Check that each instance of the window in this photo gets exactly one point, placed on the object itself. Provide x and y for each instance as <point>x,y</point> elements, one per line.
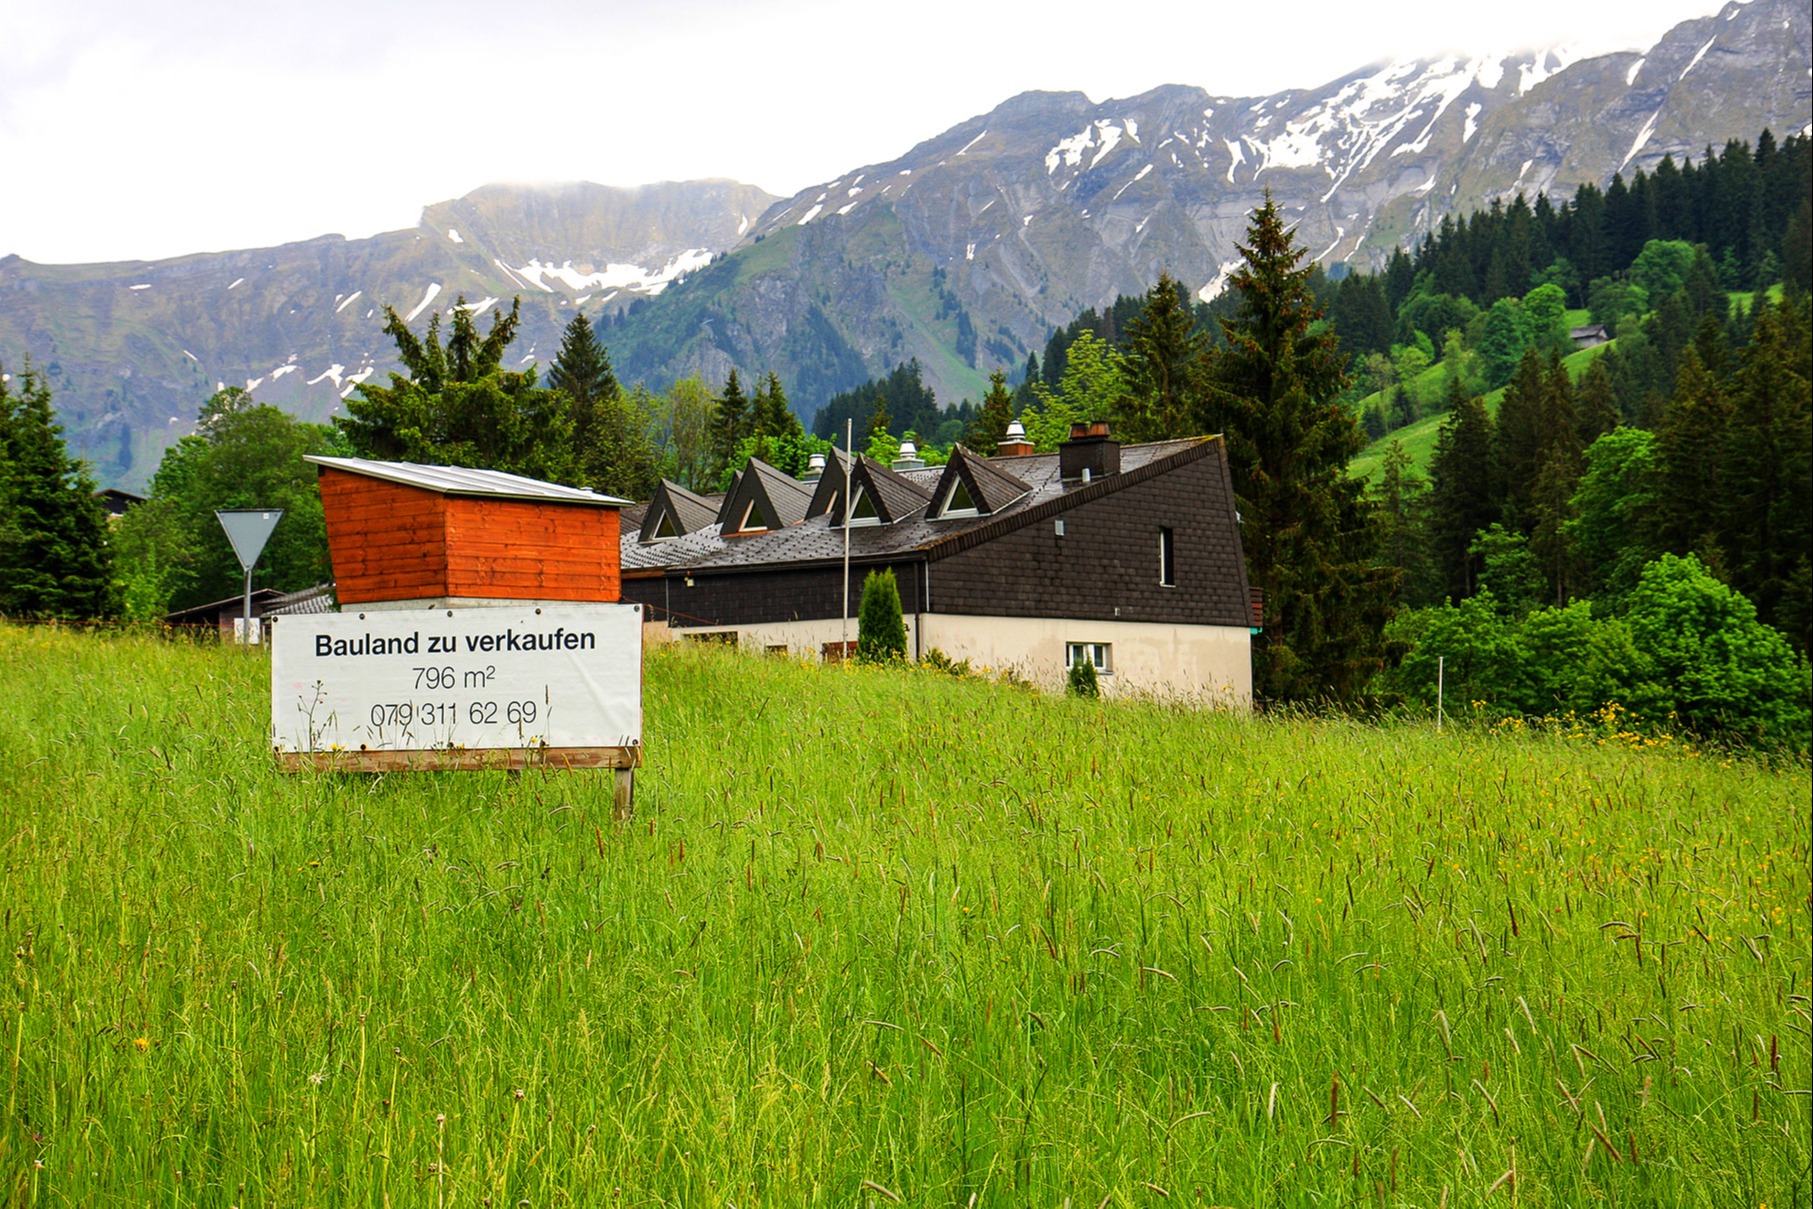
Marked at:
<point>727,637</point>
<point>753,520</point>
<point>1167,558</point>
<point>862,509</point>
<point>1097,653</point>
<point>665,530</point>
<point>960,503</point>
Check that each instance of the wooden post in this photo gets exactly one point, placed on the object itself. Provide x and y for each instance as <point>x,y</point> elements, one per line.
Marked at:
<point>624,808</point>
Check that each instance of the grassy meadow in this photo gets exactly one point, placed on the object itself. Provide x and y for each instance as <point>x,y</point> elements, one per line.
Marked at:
<point>889,937</point>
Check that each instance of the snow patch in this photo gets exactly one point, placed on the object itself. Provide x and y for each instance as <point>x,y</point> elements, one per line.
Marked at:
<point>332,372</point>
<point>348,301</point>
<point>1537,70</point>
<point>612,276</point>
<point>1069,152</point>
<point>511,274</point>
<point>1025,221</point>
<point>282,370</point>
<point>238,281</point>
<point>475,308</point>
<point>143,285</point>
<point>1489,71</point>
<point>191,356</point>
<point>428,296</point>
<point>846,208</point>
<point>1649,128</point>
<point>811,214</point>
<point>743,224</point>
<point>454,235</point>
<point>973,142</point>
<point>1696,59</point>
<point>969,253</point>
<point>1137,177</point>
<point>1236,154</point>
<point>1472,126</point>
<point>1219,282</point>
<point>353,380</point>
<point>1630,77</point>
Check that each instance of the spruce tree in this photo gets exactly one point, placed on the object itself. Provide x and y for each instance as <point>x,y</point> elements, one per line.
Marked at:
<point>54,556</point>
<point>1161,366</point>
<point>989,428</point>
<point>1557,477</point>
<point>1519,444</point>
<point>459,406</point>
<point>1310,539</point>
<point>1687,444</point>
<point>731,422</point>
<point>1462,499</point>
<point>1766,462</point>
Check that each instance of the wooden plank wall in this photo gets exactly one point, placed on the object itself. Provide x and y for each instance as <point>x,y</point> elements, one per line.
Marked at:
<point>388,541</point>
<point>508,550</point>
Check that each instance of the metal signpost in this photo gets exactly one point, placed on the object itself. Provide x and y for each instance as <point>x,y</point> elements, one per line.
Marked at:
<point>510,687</point>
<point>248,529</point>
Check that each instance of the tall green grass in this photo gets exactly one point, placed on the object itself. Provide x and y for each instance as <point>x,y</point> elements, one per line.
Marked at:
<point>885,934</point>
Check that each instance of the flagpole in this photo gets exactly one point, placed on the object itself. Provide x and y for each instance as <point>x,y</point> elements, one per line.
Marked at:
<point>843,633</point>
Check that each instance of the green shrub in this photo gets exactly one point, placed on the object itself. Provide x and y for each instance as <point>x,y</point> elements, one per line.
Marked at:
<point>1083,682</point>
<point>880,629</point>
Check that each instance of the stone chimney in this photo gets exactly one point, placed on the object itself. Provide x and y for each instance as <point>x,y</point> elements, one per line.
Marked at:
<point>1089,454</point>
<point>1015,444</point>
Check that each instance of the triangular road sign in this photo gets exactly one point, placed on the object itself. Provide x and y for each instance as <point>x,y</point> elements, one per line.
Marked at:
<point>248,529</point>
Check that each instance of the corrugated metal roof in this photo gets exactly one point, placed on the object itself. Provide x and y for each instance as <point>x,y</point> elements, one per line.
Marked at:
<point>464,480</point>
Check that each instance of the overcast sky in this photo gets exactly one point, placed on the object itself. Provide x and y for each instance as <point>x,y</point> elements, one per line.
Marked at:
<point>136,130</point>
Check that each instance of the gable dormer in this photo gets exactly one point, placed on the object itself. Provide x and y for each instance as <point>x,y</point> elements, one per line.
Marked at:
<point>880,496</point>
<point>831,488</point>
<point>762,500</point>
<point>675,511</point>
<point>970,486</point>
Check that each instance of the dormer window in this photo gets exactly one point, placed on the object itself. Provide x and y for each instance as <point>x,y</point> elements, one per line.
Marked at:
<point>665,530</point>
<point>960,502</point>
<point>753,520</point>
<point>862,510</point>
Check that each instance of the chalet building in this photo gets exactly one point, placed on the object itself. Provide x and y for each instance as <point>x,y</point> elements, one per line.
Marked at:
<point>1592,335</point>
<point>1128,557</point>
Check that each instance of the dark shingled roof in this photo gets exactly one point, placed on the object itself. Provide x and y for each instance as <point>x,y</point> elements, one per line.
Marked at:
<point>896,497</point>
<point>819,540</point>
<point>780,498</point>
<point>830,485</point>
<point>991,487</point>
<point>688,510</point>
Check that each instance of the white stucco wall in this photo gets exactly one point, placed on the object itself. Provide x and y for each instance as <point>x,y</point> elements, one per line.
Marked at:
<point>1211,664</point>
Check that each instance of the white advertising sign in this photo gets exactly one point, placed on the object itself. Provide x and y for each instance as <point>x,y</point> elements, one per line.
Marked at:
<point>560,676</point>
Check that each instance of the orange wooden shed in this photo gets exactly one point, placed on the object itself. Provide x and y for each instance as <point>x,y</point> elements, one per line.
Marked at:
<point>400,533</point>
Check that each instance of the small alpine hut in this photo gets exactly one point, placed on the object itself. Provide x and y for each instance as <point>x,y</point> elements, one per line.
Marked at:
<point>403,535</point>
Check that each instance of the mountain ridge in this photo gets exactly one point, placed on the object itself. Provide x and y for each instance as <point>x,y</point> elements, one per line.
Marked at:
<point>964,251</point>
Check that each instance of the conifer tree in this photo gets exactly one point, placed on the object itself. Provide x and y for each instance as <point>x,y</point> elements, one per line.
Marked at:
<point>54,556</point>
<point>1161,365</point>
<point>1462,497</point>
<point>459,406</point>
<point>880,627</point>
<point>1310,539</point>
<point>1557,477</point>
<point>1766,462</point>
<point>732,420</point>
<point>1686,459</point>
<point>1519,443</point>
<point>989,428</point>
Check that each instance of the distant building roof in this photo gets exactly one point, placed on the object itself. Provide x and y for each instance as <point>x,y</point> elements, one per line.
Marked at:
<point>463,480</point>
<point>116,501</point>
<point>821,538</point>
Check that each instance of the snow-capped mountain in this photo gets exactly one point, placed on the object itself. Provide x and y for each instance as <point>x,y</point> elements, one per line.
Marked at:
<point>963,252</point>
<point>1052,202</point>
